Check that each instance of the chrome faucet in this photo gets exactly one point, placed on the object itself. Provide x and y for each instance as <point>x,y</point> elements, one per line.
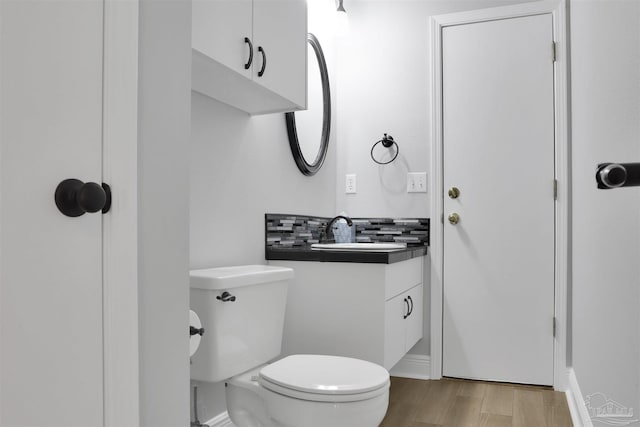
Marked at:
<point>328,231</point>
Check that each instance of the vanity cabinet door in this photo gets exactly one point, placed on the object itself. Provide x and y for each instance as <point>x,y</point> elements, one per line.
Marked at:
<point>394,330</point>
<point>414,322</point>
<point>403,324</point>
<point>219,31</point>
<point>280,47</point>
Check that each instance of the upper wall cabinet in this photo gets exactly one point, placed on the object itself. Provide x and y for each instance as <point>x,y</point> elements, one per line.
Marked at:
<point>251,54</point>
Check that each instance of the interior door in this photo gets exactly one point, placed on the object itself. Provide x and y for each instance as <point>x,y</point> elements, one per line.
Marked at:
<point>51,366</point>
<point>498,152</point>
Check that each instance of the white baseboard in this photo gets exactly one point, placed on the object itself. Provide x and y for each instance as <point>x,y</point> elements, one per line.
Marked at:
<point>220,420</point>
<point>579,414</point>
<point>416,366</point>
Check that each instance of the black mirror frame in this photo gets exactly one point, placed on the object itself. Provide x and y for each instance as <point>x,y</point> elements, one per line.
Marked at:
<point>305,167</point>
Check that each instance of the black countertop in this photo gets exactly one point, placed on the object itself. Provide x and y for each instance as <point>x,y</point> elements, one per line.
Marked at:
<point>305,253</point>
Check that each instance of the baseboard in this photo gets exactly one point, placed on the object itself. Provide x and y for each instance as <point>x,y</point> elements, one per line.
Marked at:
<point>416,366</point>
<point>221,420</point>
<point>577,408</point>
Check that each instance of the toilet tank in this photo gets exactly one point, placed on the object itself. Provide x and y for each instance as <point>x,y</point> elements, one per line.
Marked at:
<point>242,311</point>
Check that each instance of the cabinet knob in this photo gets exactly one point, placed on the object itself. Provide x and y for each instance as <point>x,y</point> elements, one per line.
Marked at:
<point>411,309</point>
<point>454,192</point>
<point>454,218</point>
<point>406,301</point>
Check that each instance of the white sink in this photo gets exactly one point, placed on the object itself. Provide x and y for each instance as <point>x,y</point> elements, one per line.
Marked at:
<point>366,247</point>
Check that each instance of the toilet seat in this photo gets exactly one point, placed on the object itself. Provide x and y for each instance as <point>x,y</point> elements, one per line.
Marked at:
<point>322,378</point>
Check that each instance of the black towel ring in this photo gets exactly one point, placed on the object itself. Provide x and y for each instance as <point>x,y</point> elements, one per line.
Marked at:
<point>387,141</point>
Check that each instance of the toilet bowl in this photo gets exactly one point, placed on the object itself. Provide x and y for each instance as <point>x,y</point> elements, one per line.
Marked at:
<point>310,391</point>
<point>242,312</point>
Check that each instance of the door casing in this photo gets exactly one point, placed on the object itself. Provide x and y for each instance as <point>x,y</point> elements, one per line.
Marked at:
<point>557,8</point>
<point>120,225</point>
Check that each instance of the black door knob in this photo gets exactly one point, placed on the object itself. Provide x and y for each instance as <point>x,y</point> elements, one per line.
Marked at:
<point>74,197</point>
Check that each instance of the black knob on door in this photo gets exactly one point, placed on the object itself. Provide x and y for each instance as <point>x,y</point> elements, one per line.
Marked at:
<point>74,197</point>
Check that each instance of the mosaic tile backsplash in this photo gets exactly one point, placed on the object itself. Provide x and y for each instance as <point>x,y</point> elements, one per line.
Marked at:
<point>285,230</point>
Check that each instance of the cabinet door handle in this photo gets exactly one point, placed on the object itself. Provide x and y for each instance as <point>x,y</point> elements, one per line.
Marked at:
<point>406,301</point>
<point>247,40</point>
<point>411,309</point>
<point>264,61</point>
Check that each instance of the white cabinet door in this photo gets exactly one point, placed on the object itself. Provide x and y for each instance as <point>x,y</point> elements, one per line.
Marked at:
<point>394,330</point>
<point>219,29</point>
<point>414,321</point>
<point>280,47</point>
<point>51,335</point>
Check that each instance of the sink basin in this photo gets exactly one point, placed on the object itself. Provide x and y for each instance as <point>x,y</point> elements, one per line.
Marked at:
<point>365,247</point>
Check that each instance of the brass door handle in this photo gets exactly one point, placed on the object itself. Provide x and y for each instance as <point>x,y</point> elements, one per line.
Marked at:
<point>454,218</point>
<point>454,192</point>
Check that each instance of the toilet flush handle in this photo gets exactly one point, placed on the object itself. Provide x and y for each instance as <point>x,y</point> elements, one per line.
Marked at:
<point>226,297</point>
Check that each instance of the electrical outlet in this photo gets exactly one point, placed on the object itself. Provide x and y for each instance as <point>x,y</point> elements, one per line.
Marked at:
<point>417,182</point>
<point>350,183</point>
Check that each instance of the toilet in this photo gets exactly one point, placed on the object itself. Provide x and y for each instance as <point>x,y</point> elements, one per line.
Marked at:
<point>242,311</point>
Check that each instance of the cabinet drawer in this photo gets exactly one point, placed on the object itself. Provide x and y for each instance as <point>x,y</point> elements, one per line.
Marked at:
<point>402,276</point>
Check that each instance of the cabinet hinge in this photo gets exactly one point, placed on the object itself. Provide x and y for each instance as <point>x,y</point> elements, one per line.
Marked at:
<point>554,51</point>
<point>442,219</point>
<point>554,327</point>
<point>555,189</point>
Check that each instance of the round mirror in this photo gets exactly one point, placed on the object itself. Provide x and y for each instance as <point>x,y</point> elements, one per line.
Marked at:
<point>309,130</point>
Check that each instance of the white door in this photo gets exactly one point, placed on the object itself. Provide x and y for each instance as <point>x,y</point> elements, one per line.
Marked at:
<point>498,150</point>
<point>51,355</point>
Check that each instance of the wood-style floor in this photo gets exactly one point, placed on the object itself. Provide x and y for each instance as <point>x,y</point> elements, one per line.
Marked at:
<point>461,403</point>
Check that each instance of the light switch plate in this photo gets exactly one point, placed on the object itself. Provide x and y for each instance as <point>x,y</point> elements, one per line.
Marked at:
<point>350,183</point>
<point>417,182</point>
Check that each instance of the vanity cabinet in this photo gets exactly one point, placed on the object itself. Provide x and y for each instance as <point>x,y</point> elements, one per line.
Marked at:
<point>367,311</point>
<point>251,54</point>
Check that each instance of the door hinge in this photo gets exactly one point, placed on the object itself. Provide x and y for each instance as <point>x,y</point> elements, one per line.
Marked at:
<point>554,327</point>
<point>554,51</point>
<point>555,189</point>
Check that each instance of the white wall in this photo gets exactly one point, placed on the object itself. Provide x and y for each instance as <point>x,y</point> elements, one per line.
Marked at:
<point>241,168</point>
<point>605,68</point>
<point>164,97</point>
<point>383,87</point>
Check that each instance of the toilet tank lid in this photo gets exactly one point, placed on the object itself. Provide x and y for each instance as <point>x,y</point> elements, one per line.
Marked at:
<point>241,275</point>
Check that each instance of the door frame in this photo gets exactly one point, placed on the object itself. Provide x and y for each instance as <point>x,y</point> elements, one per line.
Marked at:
<point>557,8</point>
<point>120,225</point>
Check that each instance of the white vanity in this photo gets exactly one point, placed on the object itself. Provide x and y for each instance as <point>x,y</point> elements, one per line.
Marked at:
<point>370,311</point>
